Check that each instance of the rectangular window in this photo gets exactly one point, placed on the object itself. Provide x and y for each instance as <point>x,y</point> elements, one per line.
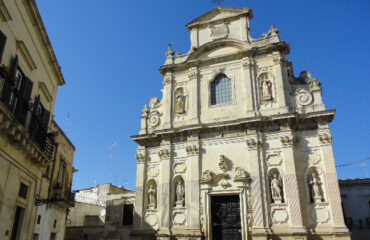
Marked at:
<point>17,224</point>
<point>128,213</point>
<point>38,219</point>
<point>23,190</point>
<point>2,44</point>
<point>53,236</point>
<point>35,236</point>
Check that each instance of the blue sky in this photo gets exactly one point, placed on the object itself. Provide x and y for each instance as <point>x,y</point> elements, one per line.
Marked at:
<point>110,55</point>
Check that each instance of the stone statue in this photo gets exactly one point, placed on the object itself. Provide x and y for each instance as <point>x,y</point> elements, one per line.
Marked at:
<point>223,164</point>
<point>275,189</point>
<point>316,189</point>
<point>179,101</point>
<point>180,194</point>
<point>152,197</point>
<point>266,90</point>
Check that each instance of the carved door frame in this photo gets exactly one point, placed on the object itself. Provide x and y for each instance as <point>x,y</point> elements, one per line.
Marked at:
<point>207,193</point>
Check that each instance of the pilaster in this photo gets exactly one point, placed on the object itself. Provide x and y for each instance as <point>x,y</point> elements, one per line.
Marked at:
<point>281,88</point>
<point>167,100</point>
<point>141,157</point>
<point>258,185</point>
<point>250,86</point>
<point>290,180</point>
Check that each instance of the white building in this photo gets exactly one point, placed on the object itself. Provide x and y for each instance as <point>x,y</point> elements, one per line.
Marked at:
<point>355,194</point>
<point>238,147</point>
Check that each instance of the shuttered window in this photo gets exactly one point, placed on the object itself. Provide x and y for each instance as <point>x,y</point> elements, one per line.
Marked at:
<point>2,44</point>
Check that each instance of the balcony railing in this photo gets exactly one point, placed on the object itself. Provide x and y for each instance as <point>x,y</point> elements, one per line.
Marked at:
<point>11,97</point>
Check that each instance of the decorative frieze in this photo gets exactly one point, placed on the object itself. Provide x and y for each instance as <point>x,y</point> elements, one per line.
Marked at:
<point>325,138</point>
<point>287,140</point>
<point>164,153</point>
<point>140,158</point>
<point>192,150</point>
<point>253,143</point>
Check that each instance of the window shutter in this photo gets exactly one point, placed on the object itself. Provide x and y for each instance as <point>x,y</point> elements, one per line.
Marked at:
<point>34,121</point>
<point>24,95</point>
<point>2,44</point>
<point>45,119</point>
<point>14,66</point>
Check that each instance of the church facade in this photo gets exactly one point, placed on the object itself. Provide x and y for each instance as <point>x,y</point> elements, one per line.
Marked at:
<point>238,147</point>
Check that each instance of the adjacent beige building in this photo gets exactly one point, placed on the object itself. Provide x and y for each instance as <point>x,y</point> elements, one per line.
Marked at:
<point>35,156</point>
<point>237,147</point>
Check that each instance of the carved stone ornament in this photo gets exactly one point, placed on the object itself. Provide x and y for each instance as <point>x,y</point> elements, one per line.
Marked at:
<point>152,197</point>
<point>220,31</point>
<point>192,74</point>
<point>153,172</point>
<point>164,153</point>
<point>169,52</point>
<point>223,163</point>
<point>274,159</point>
<point>179,218</point>
<point>305,76</point>
<point>279,215</point>
<point>273,31</point>
<point>248,63</point>
<point>303,97</point>
<point>151,219</point>
<point>253,143</point>
<point>223,183</point>
<point>140,157</point>
<point>287,140</point>
<point>154,118</point>
<point>192,150</point>
<point>179,167</point>
<point>314,84</point>
<point>207,176</point>
<point>154,102</point>
<point>320,214</point>
<point>241,174</point>
<point>325,138</point>
<point>145,110</point>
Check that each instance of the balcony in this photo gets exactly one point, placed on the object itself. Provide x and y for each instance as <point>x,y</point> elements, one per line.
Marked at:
<point>21,125</point>
<point>64,199</point>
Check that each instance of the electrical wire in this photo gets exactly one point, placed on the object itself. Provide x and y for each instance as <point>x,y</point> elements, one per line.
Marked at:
<point>352,163</point>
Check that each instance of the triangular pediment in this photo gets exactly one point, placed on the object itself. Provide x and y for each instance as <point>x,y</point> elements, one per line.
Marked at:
<point>217,14</point>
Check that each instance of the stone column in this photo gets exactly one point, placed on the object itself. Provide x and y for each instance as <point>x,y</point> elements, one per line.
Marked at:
<point>141,157</point>
<point>291,181</point>
<point>194,98</point>
<point>250,86</point>
<point>167,100</point>
<point>164,196</point>
<point>281,88</point>
<point>192,187</point>
<point>258,186</point>
<point>331,180</point>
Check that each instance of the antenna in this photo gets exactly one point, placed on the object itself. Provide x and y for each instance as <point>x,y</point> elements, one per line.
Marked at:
<point>68,115</point>
<point>217,1</point>
<point>111,160</point>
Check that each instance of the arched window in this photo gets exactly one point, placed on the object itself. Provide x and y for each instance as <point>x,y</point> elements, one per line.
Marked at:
<point>221,92</point>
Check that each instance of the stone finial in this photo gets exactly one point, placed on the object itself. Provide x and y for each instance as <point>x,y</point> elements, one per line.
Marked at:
<point>273,31</point>
<point>314,84</point>
<point>145,110</point>
<point>169,52</point>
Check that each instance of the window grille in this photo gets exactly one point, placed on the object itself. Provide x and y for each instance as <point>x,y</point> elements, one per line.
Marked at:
<point>221,92</point>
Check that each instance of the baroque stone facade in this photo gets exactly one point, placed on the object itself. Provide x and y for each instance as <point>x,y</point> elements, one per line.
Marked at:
<point>238,147</point>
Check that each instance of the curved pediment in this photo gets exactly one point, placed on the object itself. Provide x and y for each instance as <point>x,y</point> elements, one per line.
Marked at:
<point>218,49</point>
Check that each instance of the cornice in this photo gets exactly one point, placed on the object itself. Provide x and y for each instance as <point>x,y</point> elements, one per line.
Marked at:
<point>252,52</point>
<point>243,123</point>
<point>40,27</point>
<point>4,13</point>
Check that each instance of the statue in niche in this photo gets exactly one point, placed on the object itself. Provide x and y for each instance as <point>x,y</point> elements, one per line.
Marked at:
<point>316,189</point>
<point>276,188</point>
<point>266,86</point>
<point>152,194</point>
<point>179,101</point>
<point>180,191</point>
